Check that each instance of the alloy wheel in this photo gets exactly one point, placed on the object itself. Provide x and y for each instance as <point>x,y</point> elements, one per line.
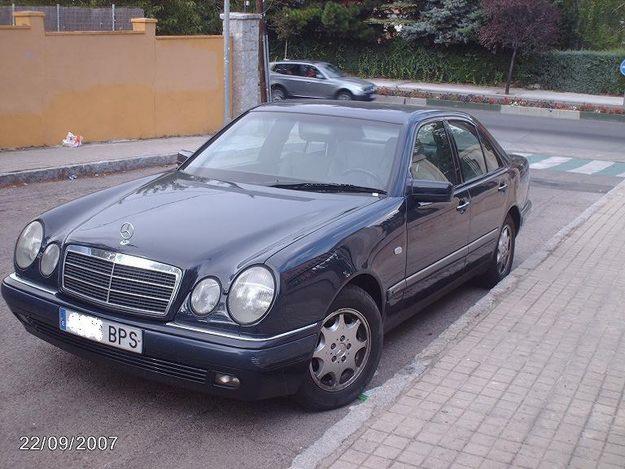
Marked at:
<point>342,350</point>
<point>504,249</point>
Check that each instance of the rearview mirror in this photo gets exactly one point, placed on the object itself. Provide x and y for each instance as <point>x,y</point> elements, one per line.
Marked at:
<point>431,191</point>
<point>183,155</point>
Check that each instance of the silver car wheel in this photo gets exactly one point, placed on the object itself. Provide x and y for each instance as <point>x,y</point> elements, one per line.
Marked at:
<point>277,95</point>
<point>504,248</point>
<point>344,96</point>
<point>342,350</point>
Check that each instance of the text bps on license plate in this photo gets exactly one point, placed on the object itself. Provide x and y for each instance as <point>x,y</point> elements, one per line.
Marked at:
<point>100,330</point>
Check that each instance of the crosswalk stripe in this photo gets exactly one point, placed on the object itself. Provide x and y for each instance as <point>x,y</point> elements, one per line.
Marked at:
<point>592,167</point>
<point>549,162</point>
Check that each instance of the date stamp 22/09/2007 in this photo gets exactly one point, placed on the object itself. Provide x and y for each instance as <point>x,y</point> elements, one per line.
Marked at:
<point>67,443</point>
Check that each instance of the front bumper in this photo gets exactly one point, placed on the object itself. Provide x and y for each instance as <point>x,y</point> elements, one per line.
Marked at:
<point>266,367</point>
<point>369,96</point>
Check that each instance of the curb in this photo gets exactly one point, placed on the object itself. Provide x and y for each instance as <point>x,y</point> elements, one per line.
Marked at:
<point>84,169</point>
<point>504,108</point>
<point>323,452</point>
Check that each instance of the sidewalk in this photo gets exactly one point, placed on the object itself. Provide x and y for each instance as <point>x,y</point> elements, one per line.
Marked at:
<point>40,164</point>
<point>519,93</point>
<point>536,381</point>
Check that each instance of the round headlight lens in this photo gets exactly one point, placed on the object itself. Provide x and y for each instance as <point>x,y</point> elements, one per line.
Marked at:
<point>50,259</point>
<point>28,244</point>
<point>205,296</point>
<point>251,295</point>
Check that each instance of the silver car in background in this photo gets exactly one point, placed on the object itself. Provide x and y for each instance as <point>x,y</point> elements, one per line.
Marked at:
<point>311,79</point>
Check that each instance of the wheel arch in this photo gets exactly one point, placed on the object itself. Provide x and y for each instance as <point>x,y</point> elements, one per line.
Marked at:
<point>370,285</point>
<point>515,213</point>
<point>343,90</point>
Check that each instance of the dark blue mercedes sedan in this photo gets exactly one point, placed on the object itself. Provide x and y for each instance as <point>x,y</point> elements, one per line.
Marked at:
<point>273,260</point>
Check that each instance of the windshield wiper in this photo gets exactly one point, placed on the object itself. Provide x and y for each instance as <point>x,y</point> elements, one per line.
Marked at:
<point>328,187</point>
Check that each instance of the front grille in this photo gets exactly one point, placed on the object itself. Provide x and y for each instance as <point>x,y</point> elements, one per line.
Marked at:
<point>155,365</point>
<point>122,282</point>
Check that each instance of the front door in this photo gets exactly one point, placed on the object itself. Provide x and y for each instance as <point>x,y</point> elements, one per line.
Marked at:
<point>438,232</point>
<point>486,180</point>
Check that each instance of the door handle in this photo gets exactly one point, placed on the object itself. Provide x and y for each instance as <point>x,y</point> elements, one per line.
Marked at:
<point>502,187</point>
<point>463,206</point>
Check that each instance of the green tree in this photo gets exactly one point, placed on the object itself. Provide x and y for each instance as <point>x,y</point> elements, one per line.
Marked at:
<point>446,22</point>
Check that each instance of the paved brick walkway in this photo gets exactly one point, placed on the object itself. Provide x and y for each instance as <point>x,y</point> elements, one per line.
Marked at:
<point>538,382</point>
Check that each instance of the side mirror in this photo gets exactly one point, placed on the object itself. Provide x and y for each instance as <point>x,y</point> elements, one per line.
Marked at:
<point>430,191</point>
<point>183,155</point>
<point>319,76</point>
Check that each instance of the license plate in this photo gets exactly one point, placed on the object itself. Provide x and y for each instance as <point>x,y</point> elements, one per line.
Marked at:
<point>100,330</point>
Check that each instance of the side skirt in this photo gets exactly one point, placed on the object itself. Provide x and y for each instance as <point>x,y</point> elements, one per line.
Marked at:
<point>409,310</point>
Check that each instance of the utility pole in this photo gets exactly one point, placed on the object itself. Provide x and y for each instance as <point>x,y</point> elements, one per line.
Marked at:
<point>260,8</point>
<point>227,85</point>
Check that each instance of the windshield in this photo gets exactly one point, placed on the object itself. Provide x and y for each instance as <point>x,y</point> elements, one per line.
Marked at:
<point>275,148</point>
<point>333,71</point>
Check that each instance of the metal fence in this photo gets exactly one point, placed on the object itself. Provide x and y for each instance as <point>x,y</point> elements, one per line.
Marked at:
<point>60,18</point>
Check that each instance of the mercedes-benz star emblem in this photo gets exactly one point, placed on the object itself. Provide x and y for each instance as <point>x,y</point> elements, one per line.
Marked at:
<point>126,231</point>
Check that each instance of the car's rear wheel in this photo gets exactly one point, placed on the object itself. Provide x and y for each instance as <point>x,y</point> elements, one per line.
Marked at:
<point>501,261</point>
<point>344,95</point>
<point>347,353</point>
<point>278,94</point>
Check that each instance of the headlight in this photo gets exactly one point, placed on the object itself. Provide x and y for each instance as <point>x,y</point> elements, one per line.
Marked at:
<point>251,295</point>
<point>50,259</point>
<point>205,296</point>
<point>28,244</point>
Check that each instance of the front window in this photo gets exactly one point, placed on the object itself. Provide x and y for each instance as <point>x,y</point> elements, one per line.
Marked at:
<point>333,71</point>
<point>275,148</point>
<point>472,163</point>
<point>432,158</point>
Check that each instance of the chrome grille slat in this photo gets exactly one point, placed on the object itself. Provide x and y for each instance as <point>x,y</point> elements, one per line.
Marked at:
<point>119,281</point>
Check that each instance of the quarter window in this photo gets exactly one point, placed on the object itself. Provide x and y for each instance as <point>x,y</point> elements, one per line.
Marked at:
<point>431,156</point>
<point>472,163</point>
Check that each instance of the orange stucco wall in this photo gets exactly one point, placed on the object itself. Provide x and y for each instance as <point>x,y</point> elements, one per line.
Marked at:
<point>106,85</point>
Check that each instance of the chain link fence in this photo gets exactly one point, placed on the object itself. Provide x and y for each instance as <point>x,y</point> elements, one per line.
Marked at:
<point>59,18</point>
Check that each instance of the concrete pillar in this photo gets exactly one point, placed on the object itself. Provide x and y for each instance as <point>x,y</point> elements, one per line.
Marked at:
<point>34,19</point>
<point>146,25</point>
<point>244,63</point>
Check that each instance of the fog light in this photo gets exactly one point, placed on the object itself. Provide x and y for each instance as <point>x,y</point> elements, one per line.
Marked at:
<point>227,380</point>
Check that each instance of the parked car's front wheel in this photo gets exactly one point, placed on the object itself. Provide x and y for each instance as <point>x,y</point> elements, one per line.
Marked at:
<point>347,353</point>
<point>278,94</point>
<point>501,261</point>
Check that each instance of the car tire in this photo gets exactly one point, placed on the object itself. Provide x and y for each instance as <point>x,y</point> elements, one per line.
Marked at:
<point>278,94</point>
<point>344,95</point>
<point>503,256</point>
<point>338,346</point>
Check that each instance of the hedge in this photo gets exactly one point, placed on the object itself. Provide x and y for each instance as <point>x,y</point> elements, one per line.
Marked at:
<point>575,71</point>
<point>402,60</point>
<point>595,72</point>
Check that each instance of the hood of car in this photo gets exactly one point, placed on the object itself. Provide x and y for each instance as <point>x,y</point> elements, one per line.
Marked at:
<point>188,221</point>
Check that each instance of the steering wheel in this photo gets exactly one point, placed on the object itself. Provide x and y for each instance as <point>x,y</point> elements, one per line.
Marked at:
<point>377,181</point>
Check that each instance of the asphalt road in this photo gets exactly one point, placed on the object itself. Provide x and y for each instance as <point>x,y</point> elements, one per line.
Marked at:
<point>45,391</point>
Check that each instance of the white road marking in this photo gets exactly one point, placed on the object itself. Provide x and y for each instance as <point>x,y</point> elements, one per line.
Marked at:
<point>550,162</point>
<point>622,175</point>
<point>592,167</point>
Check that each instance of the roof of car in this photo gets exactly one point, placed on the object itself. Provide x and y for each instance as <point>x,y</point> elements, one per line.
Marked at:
<point>293,61</point>
<point>375,111</point>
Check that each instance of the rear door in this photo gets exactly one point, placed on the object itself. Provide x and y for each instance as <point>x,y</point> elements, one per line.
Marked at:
<point>437,232</point>
<point>290,76</point>
<point>486,180</point>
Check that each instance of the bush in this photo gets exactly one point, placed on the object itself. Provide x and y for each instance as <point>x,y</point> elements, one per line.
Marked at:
<point>595,72</point>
